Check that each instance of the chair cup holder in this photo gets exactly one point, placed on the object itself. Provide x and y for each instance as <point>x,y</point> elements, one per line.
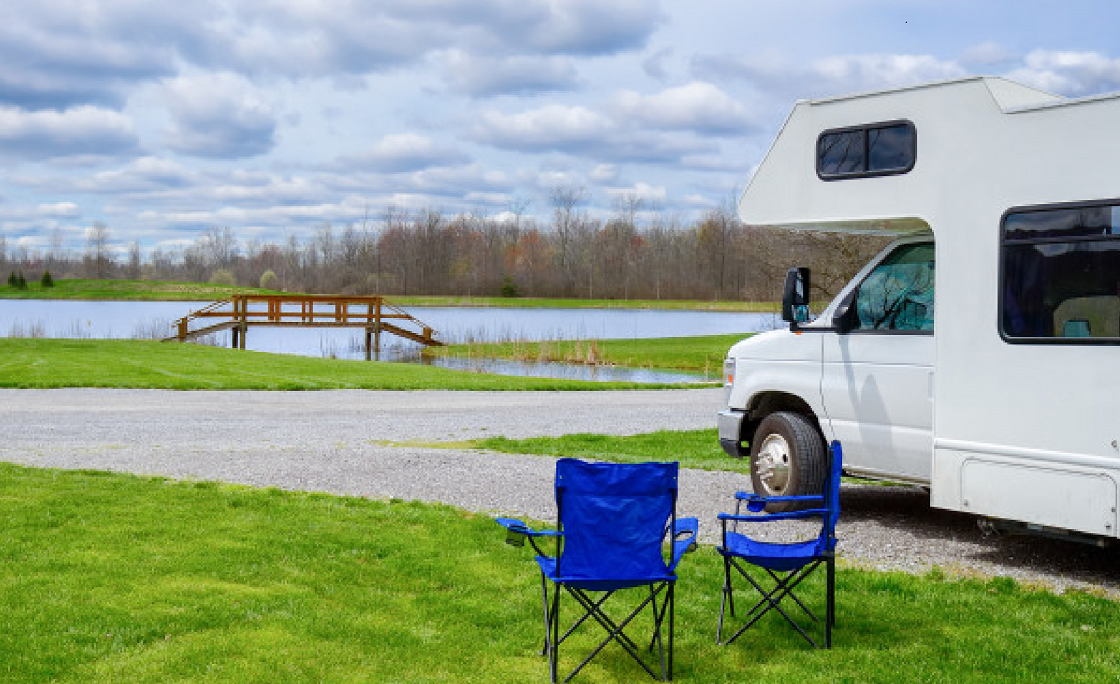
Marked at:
<point>515,538</point>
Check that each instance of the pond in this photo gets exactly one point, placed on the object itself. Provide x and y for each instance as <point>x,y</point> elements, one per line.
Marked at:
<point>147,320</point>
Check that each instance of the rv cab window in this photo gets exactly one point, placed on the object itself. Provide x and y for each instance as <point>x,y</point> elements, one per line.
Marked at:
<point>898,293</point>
<point>863,151</point>
<point>1060,274</point>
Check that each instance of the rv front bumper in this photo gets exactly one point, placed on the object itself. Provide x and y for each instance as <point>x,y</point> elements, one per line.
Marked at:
<point>730,424</point>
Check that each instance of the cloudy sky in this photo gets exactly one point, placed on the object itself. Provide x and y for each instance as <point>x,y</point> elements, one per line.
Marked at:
<point>275,117</point>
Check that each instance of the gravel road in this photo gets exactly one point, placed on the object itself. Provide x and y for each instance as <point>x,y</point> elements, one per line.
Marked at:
<point>365,443</point>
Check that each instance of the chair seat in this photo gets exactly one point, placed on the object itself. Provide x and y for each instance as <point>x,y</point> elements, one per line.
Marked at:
<point>776,556</point>
<point>548,569</point>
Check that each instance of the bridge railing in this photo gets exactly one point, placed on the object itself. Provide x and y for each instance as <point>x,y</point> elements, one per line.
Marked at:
<point>373,313</point>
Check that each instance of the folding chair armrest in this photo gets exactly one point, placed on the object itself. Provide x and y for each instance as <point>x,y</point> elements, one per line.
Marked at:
<point>769,517</point>
<point>756,502</point>
<point>681,546</point>
<point>519,527</point>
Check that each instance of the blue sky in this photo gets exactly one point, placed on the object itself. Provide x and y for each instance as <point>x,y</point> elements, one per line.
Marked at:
<point>275,117</point>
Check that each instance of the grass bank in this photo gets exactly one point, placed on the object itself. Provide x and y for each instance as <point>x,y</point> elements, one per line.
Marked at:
<point>156,290</point>
<point>52,363</point>
<point>114,578</point>
<point>128,290</point>
<point>701,354</point>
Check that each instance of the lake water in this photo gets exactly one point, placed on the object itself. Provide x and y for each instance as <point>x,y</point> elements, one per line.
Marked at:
<point>76,319</point>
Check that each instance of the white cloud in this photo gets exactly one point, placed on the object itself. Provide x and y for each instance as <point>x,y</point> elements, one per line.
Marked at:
<point>1069,73</point>
<point>79,131</point>
<point>59,210</point>
<point>140,175</point>
<point>552,127</point>
<point>218,115</point>
<point>641,191</point>
<point>486,76</point>
<point>404,152</point>
<point>604,173</point>
<point>836,75</point>
<point>696,106</point>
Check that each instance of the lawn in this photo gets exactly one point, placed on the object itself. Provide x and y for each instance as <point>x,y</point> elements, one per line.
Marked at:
<point>117,578</point>
<point>154,290</point>
<point>50,363</point>
<point>692,448</point>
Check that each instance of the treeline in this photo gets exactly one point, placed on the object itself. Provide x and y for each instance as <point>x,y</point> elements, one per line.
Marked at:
<point>427,252</point>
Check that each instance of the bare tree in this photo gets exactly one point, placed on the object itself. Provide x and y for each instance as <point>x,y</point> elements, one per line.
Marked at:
<point>134,260</point>
<point>97,259</point>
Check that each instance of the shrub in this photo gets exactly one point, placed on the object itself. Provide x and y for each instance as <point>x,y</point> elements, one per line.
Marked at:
<point>269,280</point>
<point>509,288</point>
<point>223,276</point>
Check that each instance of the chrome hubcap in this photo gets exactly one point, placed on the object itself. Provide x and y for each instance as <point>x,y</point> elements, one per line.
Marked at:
<point>772,464</point>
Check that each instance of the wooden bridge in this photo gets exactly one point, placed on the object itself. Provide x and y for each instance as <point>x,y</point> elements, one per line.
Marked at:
<point>239,312</point>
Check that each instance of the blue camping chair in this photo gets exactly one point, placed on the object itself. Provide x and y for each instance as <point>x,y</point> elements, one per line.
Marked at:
<point>615,523</point>
<point>787,564</point>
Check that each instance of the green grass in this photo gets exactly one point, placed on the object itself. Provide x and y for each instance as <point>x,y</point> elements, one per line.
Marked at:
<point>48,363</point>
<point>131,290</point>
<point>692,448</point>
<point>702,354</point>
<point>569,303</point>
<point>88,288</point>
<point>116,578</point>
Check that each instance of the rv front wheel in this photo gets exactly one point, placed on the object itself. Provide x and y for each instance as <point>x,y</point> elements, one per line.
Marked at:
<point>787,458</point>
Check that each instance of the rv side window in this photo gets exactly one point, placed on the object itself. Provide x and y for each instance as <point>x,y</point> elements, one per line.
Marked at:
<point>1061,274</point>
<point>898,293</point>
<point>864,151</point>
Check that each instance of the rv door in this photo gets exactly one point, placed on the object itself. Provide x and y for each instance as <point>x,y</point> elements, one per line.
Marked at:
<point>877,378</point>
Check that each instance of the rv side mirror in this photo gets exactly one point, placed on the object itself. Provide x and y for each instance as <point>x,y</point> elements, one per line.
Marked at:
<point>795,297</point>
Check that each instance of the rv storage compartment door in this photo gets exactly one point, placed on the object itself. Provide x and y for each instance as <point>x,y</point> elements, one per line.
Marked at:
<point>1054,495</point>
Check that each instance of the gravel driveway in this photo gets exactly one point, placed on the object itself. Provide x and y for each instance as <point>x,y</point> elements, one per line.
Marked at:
<point>336,441</point>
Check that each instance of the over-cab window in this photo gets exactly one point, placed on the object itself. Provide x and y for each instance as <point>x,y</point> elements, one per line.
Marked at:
<point>898,293</point>
<point>871,150</point>
<point>1060,274</point>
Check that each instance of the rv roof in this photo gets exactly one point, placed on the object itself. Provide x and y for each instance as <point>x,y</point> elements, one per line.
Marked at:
<point>1010,95</point>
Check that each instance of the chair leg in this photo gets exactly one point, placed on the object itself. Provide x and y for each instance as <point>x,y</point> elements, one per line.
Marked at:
<point>554,634</point>
<point>547,621</point>
<point>830,609</point>
<point>726,600</point>
<point>672,609</point>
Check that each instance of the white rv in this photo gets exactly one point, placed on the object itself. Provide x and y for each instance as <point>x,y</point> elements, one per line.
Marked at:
<point>1006,403</point>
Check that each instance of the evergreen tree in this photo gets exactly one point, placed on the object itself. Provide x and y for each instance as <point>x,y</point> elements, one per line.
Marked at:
<point>46,280</point>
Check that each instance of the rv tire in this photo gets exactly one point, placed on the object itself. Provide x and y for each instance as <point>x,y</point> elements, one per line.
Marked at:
<point>787,459</point>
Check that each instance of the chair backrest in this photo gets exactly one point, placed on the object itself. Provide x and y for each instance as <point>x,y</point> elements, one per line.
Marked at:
<point>832,491</point>
<point>615,517</point>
